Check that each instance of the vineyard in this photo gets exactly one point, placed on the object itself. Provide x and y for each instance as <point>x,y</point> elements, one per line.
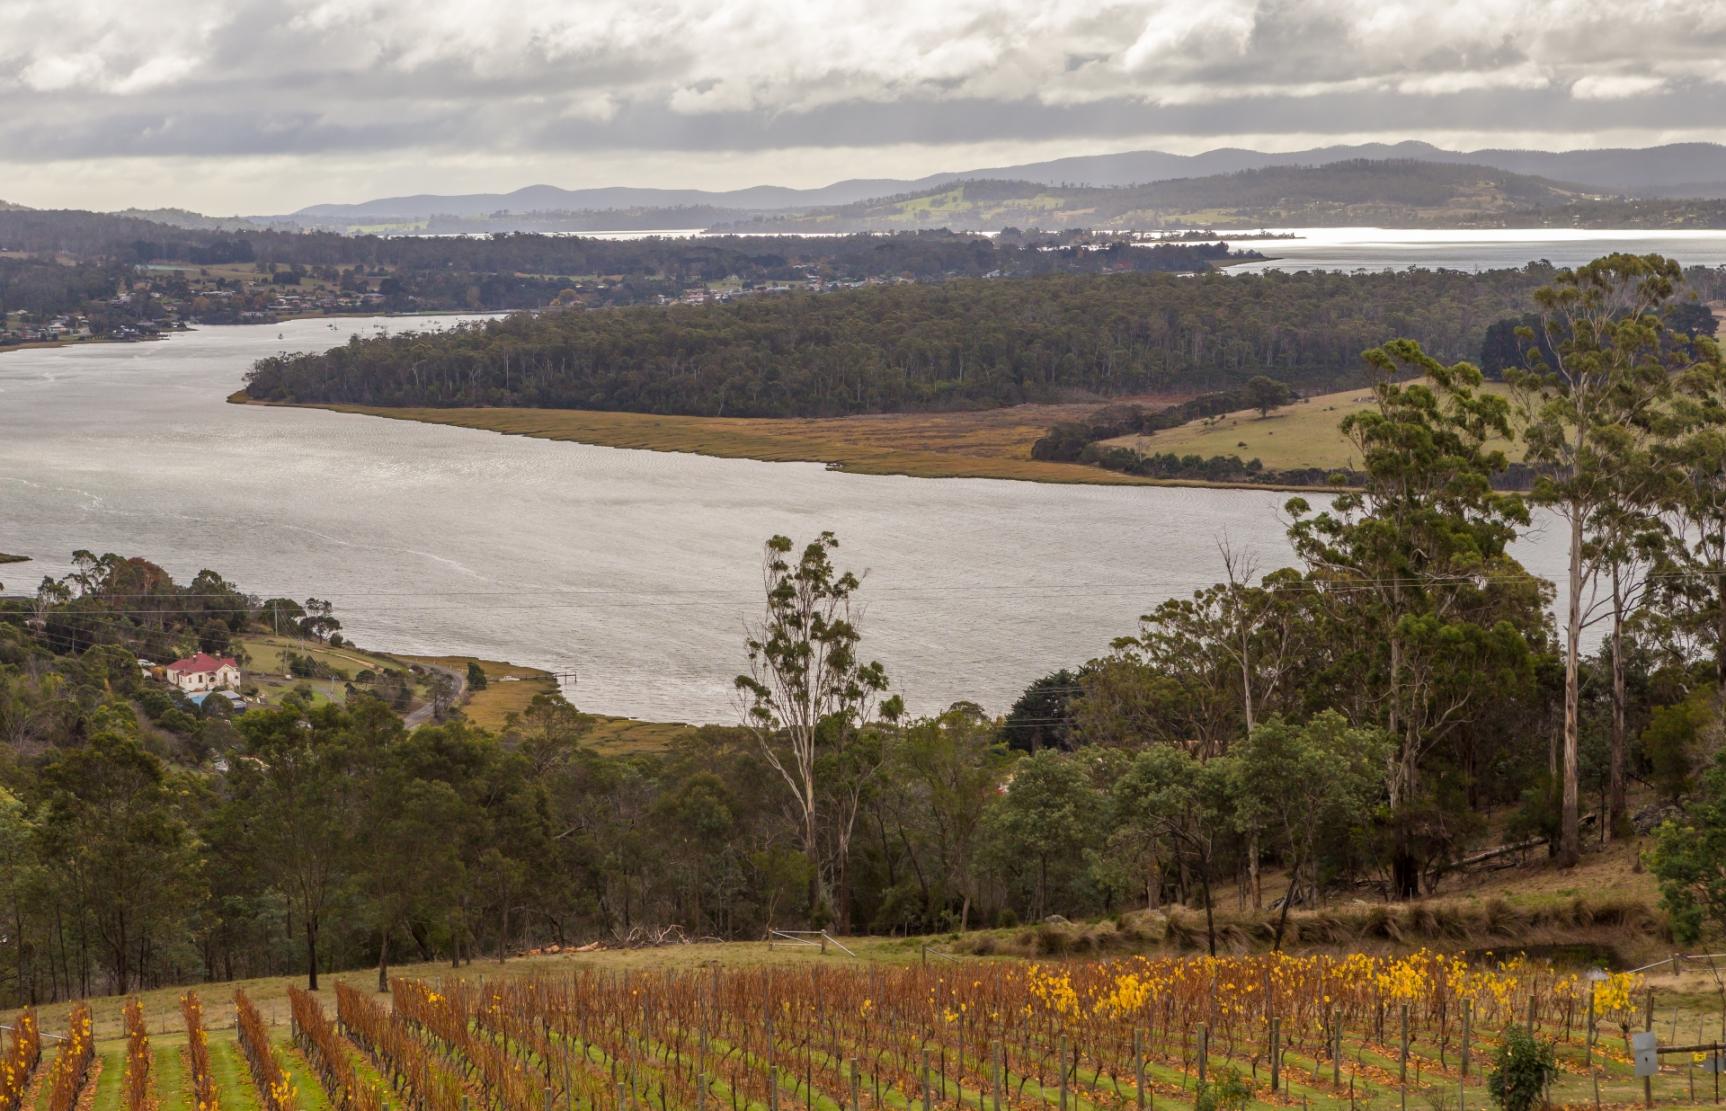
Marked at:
<point>1317,1032</point>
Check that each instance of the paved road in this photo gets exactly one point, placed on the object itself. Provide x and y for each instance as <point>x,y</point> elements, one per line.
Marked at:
<point>424,713</point>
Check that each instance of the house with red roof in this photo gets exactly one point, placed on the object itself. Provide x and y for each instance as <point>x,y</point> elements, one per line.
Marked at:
<point>204,672</point>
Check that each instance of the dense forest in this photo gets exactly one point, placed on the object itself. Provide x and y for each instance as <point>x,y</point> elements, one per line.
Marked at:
<point>43,286</point>
<point>1349,721</point>
<point>963,344</point>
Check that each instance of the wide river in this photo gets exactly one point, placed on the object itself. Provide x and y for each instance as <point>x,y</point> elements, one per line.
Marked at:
<point>634,570</point>
<point>1350,249</point>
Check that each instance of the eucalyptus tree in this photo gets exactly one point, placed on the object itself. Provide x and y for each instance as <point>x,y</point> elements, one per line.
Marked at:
<point>1303,783</point>
<point>1692,575</point>
<point>808,696</point>
<point>1414,567</point>
<point>1177,810</point>
<point>1601,367</point>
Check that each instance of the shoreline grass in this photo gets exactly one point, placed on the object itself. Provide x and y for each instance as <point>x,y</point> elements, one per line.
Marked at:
<point>989,444</point>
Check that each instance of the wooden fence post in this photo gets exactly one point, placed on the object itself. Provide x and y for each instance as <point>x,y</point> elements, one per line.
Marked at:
<point>1062,1064</point>
<point>1276,1053</point>
<point>1402,1060</point>
<point>1467,1033</point>
<point>1648,1025</point>
<point>1138,1071</point>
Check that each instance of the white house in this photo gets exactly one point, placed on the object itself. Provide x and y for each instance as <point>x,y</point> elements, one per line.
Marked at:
<point>204,672</point>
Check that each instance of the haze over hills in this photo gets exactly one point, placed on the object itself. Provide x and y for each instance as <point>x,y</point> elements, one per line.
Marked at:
<point>1677,169</point>
<point>1400,193</point>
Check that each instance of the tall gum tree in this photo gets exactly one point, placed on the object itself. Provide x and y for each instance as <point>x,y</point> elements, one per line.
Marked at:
<point>1413,567</point>
<point>808,696</point>
<point>1601,363</point>
<point>1692,572</point>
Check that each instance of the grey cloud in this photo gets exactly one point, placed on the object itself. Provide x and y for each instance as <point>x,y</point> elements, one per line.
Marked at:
<point>301,79</point>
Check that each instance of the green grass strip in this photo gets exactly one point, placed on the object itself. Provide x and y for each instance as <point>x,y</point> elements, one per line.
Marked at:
<point>107,1097</point>
<point>234,1086</point>
<point>366,1073</point>
<point>309,1092</point>
<point>169,1071</point>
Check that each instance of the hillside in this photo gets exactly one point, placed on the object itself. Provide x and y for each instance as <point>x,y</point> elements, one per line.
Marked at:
<point>1671,170</point>
<point>912,347</point>
<point>1389,193</point>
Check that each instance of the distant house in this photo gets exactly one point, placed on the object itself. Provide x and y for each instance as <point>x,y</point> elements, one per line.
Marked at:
<point>204,672</point>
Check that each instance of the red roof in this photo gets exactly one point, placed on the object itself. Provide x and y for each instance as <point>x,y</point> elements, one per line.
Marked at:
<point>202,662</point>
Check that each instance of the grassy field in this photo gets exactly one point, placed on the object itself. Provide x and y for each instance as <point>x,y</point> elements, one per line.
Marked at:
<point>993,443</point>
<point>266,667</point>
<point>1303,434</point>
<point>508,688</point>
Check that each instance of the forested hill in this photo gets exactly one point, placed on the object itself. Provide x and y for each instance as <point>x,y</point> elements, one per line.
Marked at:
<point>1388,193</point>
<point>965,344</point>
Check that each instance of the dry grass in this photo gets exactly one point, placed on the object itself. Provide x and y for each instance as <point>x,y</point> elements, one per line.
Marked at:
<point>1303,434</point>
<point>508,690</point>
<point>993,443</point>
<point>623,736</point>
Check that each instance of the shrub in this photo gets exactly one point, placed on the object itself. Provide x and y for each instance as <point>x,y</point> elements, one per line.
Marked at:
<point>1228,1092</point>
<point>1525,1068</point>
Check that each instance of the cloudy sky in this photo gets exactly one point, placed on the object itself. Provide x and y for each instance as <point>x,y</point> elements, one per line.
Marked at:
<point>260,106</point>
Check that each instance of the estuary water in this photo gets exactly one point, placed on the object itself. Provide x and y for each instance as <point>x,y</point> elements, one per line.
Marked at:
<point>1350,249</point>
<point>635,571</point>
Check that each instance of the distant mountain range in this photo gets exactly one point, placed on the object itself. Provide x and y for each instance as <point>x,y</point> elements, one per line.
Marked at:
<point>1387,192</point>
<point>1696,170</point>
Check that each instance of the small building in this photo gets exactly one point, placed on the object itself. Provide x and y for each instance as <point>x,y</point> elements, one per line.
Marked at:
<point>204,672</point>
<point>232,698</point>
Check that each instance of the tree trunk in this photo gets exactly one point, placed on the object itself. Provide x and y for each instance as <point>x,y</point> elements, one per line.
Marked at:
<point>1253,883</point>
<point>1616,805</point>
<point>1569,825</point>
<point>311,953</point>
<point>1288,901</point>
<point>384,962</point>
<point>1210,911</point>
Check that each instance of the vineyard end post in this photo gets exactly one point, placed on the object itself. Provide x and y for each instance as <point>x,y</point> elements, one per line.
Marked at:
<point>1462,1077</point>
<point>1138,1071</point>
<point>1276,1053</point>
<point>1402,1058</point>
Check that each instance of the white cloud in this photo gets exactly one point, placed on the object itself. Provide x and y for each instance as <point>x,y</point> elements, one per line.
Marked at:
<point>1615,86</point>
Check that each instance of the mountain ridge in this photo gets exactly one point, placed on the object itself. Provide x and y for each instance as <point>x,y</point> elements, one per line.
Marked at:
<point>1673,169</point>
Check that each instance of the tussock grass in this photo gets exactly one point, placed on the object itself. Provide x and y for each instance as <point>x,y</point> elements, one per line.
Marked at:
<point>1602,925</point>
<point>991,443</point>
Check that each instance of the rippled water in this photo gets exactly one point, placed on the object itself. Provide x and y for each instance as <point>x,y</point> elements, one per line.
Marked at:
<point>1488,249</point>
<point>635,569</point>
